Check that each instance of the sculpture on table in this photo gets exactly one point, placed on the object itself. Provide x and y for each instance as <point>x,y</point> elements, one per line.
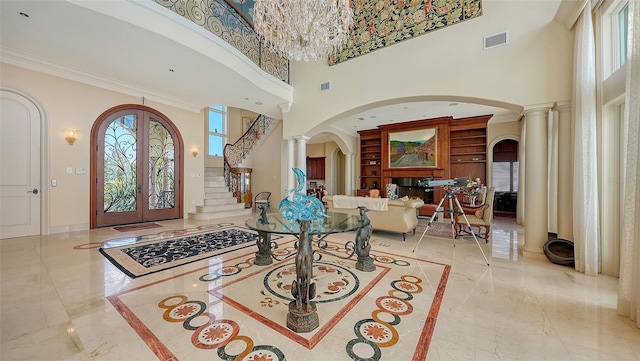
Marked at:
<point>298,205</point>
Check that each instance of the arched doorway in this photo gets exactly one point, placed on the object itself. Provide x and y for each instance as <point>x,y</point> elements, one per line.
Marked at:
<point>137,163</point>
<point>504,176</point>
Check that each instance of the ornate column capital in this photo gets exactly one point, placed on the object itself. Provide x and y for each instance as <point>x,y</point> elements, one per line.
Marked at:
<point>537,108</point>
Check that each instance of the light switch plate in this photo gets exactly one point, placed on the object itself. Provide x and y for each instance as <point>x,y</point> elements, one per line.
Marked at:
<point>69,170</point>
<point>54,183</point>
<point>81,171</point>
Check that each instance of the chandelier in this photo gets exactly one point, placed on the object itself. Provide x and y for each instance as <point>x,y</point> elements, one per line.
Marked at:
<point>303,29</point>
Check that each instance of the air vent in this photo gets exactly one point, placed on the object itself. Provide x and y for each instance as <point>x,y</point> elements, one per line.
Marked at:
<point>325,86</point>
<point>493,41</point>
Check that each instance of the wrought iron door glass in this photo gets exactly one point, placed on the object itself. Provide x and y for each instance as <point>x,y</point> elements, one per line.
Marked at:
<point>120,159</point>
<point>161,167</point>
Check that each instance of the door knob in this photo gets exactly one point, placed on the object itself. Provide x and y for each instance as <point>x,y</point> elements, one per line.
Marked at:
<point>34,191</point>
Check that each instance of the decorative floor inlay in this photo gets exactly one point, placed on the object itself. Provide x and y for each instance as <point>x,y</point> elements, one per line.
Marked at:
<point>231,309</point>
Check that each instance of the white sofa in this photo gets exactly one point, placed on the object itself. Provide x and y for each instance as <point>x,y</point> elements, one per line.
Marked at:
<point>400,216</point>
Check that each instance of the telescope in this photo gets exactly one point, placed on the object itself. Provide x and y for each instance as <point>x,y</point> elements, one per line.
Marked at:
<point>455,182</point>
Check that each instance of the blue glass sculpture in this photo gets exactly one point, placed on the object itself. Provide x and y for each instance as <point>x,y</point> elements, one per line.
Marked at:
<point>299,206</point>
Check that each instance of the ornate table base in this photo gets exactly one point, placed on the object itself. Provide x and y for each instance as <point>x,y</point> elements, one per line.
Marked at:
<point>303,315</point>
<point>305,320</point>
<point>263,256</point>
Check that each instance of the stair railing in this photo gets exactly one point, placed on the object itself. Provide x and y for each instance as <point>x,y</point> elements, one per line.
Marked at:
<point>236,152</point>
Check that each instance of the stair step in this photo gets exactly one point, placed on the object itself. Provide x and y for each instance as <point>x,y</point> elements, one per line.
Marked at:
<point>219,201</point>
<point>213,177</point>
<point>216,215</point>
<point>215,184</point>
<point>212,195</point>
<point>219,207</point>
<point>223,189</point>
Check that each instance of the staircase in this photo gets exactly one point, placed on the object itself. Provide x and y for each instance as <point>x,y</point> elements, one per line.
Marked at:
<point>219,202</point>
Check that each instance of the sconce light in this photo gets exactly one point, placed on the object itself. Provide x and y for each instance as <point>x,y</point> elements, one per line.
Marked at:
<point>70,135</point>
<point>195,151</point>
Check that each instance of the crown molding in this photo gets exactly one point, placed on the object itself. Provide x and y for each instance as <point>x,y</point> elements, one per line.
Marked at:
<point>26,61</point>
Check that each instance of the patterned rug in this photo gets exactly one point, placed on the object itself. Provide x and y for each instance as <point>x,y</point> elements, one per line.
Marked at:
<point>438,229</point>
<point>233,309</point>
<point>137,227</point>
<point>138,256</point>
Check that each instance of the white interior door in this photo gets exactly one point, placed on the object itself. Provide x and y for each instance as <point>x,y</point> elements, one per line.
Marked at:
<point>19,166</point>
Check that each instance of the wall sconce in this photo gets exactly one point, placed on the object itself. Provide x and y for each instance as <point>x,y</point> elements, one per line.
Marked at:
<point>70,135</point>
<point>195,151</point>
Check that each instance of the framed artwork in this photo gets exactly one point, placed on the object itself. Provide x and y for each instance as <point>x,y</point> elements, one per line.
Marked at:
<point>413,148</point>
<point>246,123</point>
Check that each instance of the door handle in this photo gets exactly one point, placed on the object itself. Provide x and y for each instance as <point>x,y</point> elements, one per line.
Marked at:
<point>139,188</point>
<point>34,191</point>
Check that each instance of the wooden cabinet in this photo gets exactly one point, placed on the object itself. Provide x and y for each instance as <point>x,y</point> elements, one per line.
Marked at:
<point>468,150</point>
<point>315,168</point>
<point>241,185</point>
<point>370,160</point>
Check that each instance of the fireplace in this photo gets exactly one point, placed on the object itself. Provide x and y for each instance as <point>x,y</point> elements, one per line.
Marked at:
<point>410,187</point>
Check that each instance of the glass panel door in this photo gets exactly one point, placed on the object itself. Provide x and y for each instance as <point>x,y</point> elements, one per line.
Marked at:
<point>137,169</point>
<point>120,164</point>
<point>161,167</point>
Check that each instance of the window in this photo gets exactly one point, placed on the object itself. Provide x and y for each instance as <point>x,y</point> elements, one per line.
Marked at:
<point>217,121</point>
<point>613,23</point>
<point>623,28</point>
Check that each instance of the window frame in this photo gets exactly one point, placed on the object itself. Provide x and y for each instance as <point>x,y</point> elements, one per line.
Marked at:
<point>612,44</point>
<point>219,109</point>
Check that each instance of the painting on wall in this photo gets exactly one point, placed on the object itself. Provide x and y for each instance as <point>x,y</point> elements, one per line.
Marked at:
<point>413,148</point>
<point>378,24</point>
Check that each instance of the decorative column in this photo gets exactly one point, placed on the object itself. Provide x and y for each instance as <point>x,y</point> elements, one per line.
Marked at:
<point>536,178</point>
<point>291,149</point>
<point>348,174</point>
<point>565,172</point>
<point>301,160</point>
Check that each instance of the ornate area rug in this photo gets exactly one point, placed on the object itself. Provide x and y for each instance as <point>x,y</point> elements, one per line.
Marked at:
<point>232,309</point>
<point>139,256</point>
<point>438,229</point>
<point>137,227</point>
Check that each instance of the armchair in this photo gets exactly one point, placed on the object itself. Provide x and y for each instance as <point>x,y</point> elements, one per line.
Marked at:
<point>480,218</point>
<point>261,198</point>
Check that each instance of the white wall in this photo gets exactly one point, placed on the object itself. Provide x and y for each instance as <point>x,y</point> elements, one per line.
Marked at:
<point>69,104</point>
<point>534,68</point>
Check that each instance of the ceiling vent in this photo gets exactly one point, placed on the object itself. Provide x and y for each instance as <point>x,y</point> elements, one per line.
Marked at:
<point>493,41</point>
<point>325,86</point>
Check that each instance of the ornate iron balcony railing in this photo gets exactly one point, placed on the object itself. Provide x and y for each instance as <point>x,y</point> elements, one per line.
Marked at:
<point>222,20</point>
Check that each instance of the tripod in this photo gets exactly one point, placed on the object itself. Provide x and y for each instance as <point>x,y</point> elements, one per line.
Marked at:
<point>448,194</point>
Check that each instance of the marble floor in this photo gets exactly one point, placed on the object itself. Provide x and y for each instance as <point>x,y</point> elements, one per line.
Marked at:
<point>61,299</point>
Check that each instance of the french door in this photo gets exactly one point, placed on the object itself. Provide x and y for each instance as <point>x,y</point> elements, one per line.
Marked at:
<point>137,166</point>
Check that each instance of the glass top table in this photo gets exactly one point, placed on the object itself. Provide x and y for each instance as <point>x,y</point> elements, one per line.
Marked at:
<point>303,316</point>
<point>334,222</point>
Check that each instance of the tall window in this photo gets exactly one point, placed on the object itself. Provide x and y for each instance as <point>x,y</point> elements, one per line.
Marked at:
<point>623,27</point>
<point>217,124</point>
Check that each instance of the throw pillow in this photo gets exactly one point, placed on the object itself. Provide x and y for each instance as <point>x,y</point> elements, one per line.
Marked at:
<point>480,211</point>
